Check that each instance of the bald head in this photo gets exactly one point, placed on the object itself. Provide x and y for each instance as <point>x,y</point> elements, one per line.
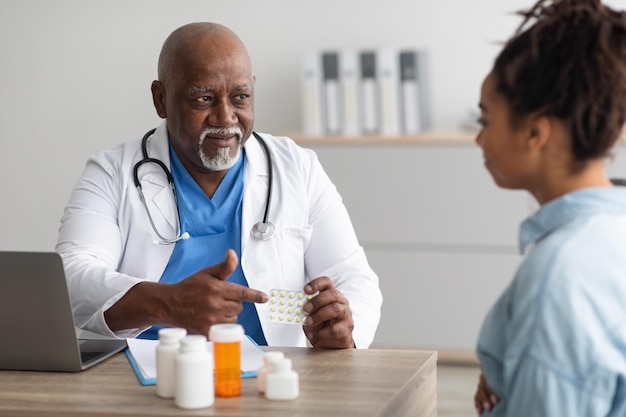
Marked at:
<point>205,91</point>
<point>196,42</point>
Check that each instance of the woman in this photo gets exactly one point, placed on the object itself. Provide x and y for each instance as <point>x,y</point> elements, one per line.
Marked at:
<point>552,108</point>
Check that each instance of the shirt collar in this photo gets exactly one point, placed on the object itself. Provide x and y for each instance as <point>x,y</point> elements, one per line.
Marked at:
<point>580,203</point>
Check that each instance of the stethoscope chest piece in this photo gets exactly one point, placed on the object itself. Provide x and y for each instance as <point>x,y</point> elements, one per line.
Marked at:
<point>263,230</point>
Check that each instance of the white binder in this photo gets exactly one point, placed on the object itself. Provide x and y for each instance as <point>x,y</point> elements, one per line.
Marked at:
<point>332,103</point>
<point>369,93</point>
<point>413,90</point>
<point>388,71</point>
<point>349,80</point>
<point>312,122</point>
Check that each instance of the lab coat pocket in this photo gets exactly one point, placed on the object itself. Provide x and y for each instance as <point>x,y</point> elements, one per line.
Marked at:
<point>277,262</point>
<point>291,246</point>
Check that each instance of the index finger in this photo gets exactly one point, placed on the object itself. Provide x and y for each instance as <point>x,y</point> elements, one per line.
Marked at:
<point>236,292</point>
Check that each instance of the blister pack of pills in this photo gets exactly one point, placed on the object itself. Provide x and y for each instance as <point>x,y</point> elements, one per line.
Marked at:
<point>286,306</point>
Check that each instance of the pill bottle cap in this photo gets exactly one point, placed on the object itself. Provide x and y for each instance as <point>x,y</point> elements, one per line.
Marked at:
<point>269,357</point>
<point>172,333</point>
<point>226,333</point>
<point>193,343</point>
<point>283,364</point>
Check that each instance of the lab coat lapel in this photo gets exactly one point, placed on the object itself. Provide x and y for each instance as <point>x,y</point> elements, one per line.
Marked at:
<point>255,190</point>
<point>156,188</point>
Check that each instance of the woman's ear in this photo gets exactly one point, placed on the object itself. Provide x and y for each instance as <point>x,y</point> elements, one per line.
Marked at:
<point>158,98</point>
<point>539,131</point>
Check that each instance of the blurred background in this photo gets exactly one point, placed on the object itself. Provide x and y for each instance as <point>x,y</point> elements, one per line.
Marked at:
<point>75,76</point>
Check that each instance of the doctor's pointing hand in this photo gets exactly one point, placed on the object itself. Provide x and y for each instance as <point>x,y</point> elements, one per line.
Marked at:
<point>195,303</point>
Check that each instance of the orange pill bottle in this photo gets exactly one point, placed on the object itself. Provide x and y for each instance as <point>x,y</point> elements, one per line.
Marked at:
<point>226,340</point>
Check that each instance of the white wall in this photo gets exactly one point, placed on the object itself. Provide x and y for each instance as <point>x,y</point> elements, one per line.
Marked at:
<point>75,76</point>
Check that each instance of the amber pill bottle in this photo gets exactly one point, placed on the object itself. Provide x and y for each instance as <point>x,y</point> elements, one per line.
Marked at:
<point>226,340</point>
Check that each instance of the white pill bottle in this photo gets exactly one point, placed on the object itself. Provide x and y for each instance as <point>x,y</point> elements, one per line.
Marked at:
<point>194,374</point>
<point>282,382</point>
<point>268,359</point>
<point>166,351</point>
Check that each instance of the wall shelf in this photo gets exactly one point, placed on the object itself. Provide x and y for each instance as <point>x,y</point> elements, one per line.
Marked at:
<point>430,137</point>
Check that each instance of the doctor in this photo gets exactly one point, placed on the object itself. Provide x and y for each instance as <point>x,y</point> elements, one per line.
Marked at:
<point>188,255</point>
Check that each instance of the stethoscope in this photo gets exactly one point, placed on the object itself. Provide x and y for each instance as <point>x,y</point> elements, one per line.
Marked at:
<point>263,230</point>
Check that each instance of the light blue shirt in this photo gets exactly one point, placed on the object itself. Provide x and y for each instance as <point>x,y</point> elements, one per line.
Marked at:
<point>554,344</point>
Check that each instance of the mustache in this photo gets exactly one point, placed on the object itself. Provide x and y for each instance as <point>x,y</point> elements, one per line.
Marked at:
<point>221,131</point>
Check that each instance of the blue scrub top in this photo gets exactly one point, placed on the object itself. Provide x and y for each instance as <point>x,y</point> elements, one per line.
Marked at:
<point>214,225</point>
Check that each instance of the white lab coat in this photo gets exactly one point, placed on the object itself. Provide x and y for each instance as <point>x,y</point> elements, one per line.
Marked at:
<point>108,245</point>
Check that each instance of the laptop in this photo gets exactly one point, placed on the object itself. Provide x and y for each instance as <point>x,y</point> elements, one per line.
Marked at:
<point>37,331</point>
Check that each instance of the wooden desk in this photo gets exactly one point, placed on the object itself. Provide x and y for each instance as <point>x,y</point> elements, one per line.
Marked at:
<point>342,383</point>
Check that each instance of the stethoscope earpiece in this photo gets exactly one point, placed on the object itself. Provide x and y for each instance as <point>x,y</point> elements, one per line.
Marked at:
<point>263,230</point>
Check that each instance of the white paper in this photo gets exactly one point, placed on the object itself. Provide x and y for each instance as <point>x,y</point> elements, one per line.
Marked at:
<point>144,353</point>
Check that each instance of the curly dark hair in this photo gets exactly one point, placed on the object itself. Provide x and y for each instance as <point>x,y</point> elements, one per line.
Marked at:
<point>567,59</point>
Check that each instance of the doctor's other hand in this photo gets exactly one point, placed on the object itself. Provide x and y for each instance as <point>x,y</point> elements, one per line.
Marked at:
<point>205,298</point>
<point>329,323</point>
<point>484,399</point>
